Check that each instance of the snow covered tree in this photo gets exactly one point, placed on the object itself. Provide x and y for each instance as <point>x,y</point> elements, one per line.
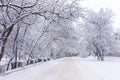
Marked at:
<point>13,13</point>
<point>98,32</point>
<point>51,17</point>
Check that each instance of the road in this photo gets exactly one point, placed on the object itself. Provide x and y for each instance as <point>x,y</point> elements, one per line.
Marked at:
<point>61,69</point>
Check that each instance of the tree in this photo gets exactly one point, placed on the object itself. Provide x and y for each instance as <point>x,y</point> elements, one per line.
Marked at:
<point>98,32</point>
<point>52,15</point>
<point>12,14</point>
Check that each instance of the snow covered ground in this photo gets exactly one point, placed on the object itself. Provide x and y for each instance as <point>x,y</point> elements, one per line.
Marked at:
<point>70,69</point>
<point>108,69</point>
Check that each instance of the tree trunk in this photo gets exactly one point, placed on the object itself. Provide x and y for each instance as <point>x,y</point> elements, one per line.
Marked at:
<point>5,36</point>
<point>99,53</point>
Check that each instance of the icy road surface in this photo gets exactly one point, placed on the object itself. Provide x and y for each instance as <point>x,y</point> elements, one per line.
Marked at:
<point>61,69</point>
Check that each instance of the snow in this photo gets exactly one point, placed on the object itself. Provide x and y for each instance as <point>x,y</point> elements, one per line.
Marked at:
<point>70,69</point>
<point>108,69</point>
<point>4,61</point>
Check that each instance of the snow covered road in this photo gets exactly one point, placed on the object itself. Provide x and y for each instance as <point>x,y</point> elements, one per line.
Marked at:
<point>69,69</point>
<point>61,69</point>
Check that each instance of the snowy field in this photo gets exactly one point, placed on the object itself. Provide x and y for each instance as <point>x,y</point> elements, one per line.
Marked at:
<point>70,69</point>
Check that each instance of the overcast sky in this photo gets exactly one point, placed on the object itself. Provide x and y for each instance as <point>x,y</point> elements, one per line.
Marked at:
<point>111,4</point>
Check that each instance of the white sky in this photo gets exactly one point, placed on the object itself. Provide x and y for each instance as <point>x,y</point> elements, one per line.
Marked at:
<point>111,4</point>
